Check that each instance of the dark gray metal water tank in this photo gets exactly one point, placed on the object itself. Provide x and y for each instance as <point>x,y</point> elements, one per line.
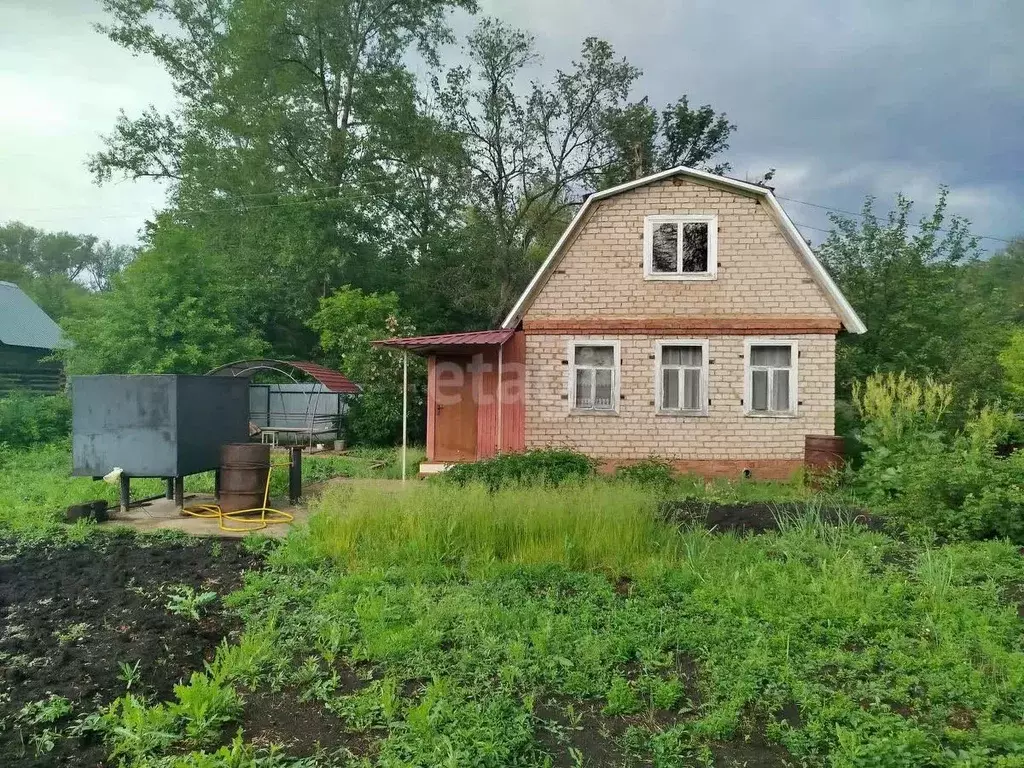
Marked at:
<point>155,425</point>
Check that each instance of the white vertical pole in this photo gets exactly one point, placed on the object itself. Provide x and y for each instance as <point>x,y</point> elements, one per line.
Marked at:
<point>404,411</point>
<point>500,388</point>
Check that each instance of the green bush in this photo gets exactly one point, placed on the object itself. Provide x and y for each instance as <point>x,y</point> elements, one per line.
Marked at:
<point>550,467</point>
<point>1000,504</point>
<point>926,476</point>
<point>29,419</point>
<point>652,472</point>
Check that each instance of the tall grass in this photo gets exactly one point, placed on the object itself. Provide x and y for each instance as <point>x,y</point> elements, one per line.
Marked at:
<point>591,525</point>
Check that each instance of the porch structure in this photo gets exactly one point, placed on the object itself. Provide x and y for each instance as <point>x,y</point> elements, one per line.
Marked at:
<point>475,394</point>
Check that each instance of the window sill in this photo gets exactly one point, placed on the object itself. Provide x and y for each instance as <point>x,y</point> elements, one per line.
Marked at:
<point>592,412</point>
<point>683,414</point>
<point>683,278</point>
<point>771,414</point>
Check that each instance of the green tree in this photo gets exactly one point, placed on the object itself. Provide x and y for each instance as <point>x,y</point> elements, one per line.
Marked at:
<point>172,310</point>
<point>348,321</point>
<point>999,282</point>
<point>533,152</point>
<point>295,119</point>
<point>644,142</point>
<point>529,153</point>
<point>57,269</point>
<point>905,281</point>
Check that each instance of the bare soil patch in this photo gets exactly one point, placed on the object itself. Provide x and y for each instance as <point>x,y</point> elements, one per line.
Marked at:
<point>757,517</point>
<point>70,616</point>
<point>303,728</point>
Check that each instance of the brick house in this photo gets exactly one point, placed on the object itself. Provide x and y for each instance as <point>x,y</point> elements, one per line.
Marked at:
<point>681,316</point>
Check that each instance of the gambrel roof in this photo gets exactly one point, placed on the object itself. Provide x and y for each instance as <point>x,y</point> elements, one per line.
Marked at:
<point>821,277</point>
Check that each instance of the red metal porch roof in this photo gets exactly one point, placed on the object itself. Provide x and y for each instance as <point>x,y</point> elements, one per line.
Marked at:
<point>450,342</point>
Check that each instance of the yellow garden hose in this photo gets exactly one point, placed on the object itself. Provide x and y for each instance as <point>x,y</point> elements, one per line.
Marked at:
<point>268,515</point>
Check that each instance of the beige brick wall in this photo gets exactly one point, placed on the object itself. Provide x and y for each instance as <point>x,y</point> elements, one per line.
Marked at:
<point>637,431</point>
<point>601,276</point>
<point>601,273</point>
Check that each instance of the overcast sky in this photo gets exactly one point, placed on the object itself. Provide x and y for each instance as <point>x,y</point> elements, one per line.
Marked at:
<point>845,99</point>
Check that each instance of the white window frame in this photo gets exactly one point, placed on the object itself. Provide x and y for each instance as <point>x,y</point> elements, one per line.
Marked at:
<point>659,379</point>
<point>748,377</point>
<point>571,377</point>
<point>650,222</point>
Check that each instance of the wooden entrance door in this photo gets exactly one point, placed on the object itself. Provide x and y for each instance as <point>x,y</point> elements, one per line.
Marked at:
<point>454,410</point>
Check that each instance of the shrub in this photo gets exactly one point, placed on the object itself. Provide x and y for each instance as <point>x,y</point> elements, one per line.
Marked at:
<point>928,477</point>
<point>1000,503</point>
<point>28,419</point>
<point>550,467</point>
<point>651,472</point>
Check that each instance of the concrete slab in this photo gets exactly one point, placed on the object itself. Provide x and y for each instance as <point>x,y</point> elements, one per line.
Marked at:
<point>163,515</point>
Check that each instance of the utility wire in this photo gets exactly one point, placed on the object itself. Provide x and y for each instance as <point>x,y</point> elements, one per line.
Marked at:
<point>855,213</point>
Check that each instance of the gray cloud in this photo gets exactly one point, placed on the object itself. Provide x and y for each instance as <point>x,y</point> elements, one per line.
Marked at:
<point>844,99</point>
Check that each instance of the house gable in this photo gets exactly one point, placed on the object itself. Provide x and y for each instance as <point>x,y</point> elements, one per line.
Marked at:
<point>764,268</point>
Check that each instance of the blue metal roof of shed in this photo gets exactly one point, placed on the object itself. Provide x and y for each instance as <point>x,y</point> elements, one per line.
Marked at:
<point>23,323</point>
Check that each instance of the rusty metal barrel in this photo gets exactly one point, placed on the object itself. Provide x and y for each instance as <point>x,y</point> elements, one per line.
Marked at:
<point>243,475</point>
<point>824,452</point>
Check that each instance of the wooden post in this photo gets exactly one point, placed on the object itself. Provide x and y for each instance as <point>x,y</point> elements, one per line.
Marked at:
<point>126,492</point>
<point>295,476</point>
<point>405,409</point>
<point>179,492</point>
<point>216,484</point>
<point>500,388</point>
<point>169,491</point>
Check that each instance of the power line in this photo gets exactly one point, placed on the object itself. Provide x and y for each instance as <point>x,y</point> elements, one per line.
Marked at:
<point>861,214</point>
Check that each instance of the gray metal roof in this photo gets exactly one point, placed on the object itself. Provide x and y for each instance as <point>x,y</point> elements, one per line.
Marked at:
<point>23,323</point>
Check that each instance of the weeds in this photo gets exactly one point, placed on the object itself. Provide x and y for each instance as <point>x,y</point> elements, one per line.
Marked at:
<point>205,705</point>
<point>545,468</point>
<point>494,597</point>
<point>188,602</point>
<point>129,674</point>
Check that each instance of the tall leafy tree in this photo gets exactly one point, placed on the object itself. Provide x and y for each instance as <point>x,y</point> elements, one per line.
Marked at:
<point>57,269</point>
<point>348,321</point>
<point>530,151</point>
<point>905,281</point>
<point>175,309</point>
<point>644,141</point>
<point>292,113</point>
<point>534,151</point>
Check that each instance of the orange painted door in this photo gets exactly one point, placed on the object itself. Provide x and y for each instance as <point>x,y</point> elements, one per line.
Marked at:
<point>454,410</point>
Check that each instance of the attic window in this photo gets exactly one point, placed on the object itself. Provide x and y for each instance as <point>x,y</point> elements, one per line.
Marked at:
<point>681,247</point>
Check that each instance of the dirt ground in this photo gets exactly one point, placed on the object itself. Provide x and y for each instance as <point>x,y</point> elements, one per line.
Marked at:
<point>755,517</point>
<point>69,617</point>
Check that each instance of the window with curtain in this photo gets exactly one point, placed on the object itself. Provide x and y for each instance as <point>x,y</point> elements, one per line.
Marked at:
<point>594,374</point>
<point>770,372</point>
<point>681,378</point>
